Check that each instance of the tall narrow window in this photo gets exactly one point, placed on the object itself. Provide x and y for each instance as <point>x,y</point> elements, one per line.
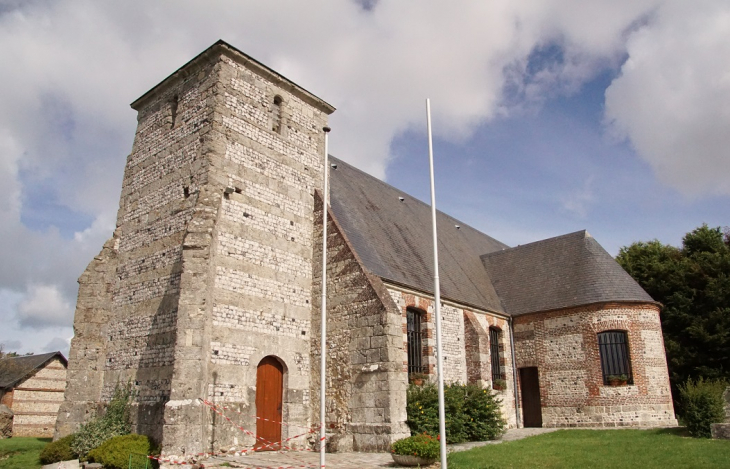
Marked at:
<point>494,339</point>
<point>276,115</point>
<point>415,342</point>
<point>173,110</point>
<point>613,347</point>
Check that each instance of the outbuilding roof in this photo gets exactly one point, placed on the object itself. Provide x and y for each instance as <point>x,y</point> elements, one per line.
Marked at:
<point>15,369</point>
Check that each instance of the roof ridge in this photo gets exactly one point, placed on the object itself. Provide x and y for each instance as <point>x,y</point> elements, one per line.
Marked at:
<point>533,243</point>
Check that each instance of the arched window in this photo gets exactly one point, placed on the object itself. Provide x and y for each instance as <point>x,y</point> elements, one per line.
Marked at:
<point>276,114</point>
<point>415,341</point>
<point>495,336</point>
<point>613,347</point>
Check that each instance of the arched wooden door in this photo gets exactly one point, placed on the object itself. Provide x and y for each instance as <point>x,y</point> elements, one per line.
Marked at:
<point>269,390</point>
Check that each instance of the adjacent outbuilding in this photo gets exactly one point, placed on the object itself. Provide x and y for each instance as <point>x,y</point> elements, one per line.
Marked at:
<point>32,387</point>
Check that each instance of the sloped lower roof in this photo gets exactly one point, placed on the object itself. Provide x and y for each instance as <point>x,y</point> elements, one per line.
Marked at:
<point>16,369</point>
<point>394,239</point>
<point>560,272</point>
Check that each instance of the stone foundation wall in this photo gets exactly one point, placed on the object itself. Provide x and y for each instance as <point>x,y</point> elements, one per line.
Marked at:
<point>85,373</point>
<point>563,345</point>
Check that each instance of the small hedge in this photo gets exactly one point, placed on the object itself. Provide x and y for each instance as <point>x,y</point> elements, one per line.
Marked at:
<point>702,405</point>
<point>114,453</point>
<point>472,412</point>
<point>423,445</point>
<point>59,450</point>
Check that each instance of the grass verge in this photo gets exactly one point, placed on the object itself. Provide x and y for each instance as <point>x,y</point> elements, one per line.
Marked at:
<point>661,448</point>
<point>21,453</point>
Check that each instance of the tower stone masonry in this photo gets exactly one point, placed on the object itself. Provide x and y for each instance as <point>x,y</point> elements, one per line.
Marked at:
<point>210,267</point>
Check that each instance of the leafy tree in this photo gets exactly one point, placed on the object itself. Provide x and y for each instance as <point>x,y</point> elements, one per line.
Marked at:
<point>693,284</point>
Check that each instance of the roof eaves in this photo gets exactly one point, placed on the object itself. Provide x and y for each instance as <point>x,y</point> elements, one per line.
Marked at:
<point>430,293</point>
<point>30,370</point>
<point>593,303</point>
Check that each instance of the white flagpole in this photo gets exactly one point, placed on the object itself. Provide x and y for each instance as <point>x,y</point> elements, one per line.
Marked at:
<point>437,297</point>
<point>323,329</point>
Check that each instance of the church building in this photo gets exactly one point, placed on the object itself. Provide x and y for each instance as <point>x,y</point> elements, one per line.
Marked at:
<point>209,289</point>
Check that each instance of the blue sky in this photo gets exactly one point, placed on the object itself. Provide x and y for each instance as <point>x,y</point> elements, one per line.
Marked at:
<point>549,116</point>
<point>552,171</point>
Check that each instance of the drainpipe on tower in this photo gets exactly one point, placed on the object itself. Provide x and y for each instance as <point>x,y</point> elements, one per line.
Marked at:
<point>514,372</point>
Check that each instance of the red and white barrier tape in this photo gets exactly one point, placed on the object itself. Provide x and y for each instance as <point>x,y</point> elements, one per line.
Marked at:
<point>268,444</point>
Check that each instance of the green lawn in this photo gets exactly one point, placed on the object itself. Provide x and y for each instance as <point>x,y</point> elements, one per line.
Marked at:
<point>21,453</point>
<point>622,449</point>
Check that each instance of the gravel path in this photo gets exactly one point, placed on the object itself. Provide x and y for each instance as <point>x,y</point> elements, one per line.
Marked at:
<point>296,460</point>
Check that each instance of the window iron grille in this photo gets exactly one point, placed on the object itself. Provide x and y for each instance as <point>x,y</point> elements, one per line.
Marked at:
<point>613,347</point>
<point>494,339</point>
<point>415,342</point>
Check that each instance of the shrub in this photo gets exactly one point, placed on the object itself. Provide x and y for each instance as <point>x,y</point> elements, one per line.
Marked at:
<point>702,405</point>
<point>423,445</point>
<point>59,450</point>
<point>114,422</point>
<point>484,415</point>
<point>422,409</point>
<point>472,413</point>
<point>114,453</point>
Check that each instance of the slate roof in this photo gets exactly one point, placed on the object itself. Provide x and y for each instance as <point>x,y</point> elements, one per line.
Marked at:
<point>560,272</point>
<point>394,239</point>
<point>16,369</point>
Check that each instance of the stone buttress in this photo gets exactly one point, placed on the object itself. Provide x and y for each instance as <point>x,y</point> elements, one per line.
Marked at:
<point>366,383</point>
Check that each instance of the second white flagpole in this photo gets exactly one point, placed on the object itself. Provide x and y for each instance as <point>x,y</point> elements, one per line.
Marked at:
<point>323,329</point>
<point>437,297</point>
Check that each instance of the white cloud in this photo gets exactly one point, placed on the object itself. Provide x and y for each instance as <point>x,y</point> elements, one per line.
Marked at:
<point>579,201</point>
<point>672,99</point>
<point>58,344</point>
<point>72,68</point>
<point>44,306</point>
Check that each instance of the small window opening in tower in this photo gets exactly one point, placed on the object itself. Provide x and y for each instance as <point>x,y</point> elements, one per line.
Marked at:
<point>276,115</point>
<point>173,110</point>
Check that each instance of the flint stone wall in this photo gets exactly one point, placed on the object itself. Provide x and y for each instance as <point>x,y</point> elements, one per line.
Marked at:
<point>465,340</point>
<point>563,345</point>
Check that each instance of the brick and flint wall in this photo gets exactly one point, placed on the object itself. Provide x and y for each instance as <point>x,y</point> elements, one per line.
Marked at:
<point>465,342</point>
<point>563,345</point>
<point>366,386</point>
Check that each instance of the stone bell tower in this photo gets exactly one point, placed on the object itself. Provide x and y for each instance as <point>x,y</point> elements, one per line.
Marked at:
<point>204,290</point>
